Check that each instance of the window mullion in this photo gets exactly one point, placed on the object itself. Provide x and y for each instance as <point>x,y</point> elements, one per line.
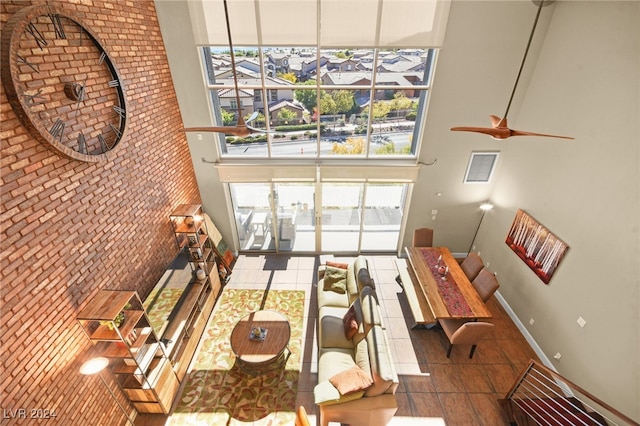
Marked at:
<point>265,101</point>
<point>372,97</point>
<point>318,37</point>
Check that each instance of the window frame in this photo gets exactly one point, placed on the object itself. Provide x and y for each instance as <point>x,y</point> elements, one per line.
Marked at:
<point>265,91</point>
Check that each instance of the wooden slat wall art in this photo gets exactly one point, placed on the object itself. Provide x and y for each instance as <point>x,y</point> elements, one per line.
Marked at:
<point>538,247</point>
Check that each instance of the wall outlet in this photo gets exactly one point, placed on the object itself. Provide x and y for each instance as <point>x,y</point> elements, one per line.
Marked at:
<point>434,212</point>
<point>557,356</point>
<point>581,322</point>
<point>199,136</point>
<point>531,321</point>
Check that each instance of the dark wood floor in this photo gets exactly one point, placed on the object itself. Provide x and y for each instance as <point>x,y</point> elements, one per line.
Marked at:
<point>434,389</point>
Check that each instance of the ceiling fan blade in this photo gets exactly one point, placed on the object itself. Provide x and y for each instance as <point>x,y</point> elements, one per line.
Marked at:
<point>522,133</point>
<point>255,129</point>
<point>252,117</point>
<point>496,133</point>
<point>228,130</point>
<point>240,129</point>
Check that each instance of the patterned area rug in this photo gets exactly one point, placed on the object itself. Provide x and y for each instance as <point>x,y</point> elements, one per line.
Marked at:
<point>159,305</point>
<point>217,392</point>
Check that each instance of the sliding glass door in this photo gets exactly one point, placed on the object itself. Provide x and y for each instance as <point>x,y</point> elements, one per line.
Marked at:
<point>295,222</point>
<point>341,216</point>
<point>382,216</point>
<point>252,209</point>
<point>353,217</point>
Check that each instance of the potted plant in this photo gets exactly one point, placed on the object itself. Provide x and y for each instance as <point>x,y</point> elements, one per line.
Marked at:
<point>118,320</point>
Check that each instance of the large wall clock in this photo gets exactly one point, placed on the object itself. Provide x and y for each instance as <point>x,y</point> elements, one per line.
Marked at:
<point>62,83</point>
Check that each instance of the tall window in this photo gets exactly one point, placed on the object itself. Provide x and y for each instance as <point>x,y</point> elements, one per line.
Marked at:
<point>314,109</point>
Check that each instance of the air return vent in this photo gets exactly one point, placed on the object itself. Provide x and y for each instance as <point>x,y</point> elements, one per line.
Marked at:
<point>481,165</point>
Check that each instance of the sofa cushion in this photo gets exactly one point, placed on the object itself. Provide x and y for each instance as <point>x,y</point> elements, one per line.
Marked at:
<point>360,263</point>
<point>331,328</point>
<point>335,279</point>
<point>364,279</point>
<point>352,285</point>
<point>351,380</point>
<point>332,361</point>
<point>382,369</point>
<point>331,298</point>
<point>370,308</point>
<point>325,393</point>
<point>361,355</point>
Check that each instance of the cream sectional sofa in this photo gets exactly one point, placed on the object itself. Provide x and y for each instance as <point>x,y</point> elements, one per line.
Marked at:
<point>368,348</point>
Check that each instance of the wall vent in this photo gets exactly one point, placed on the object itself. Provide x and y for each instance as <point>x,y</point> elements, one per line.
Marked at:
<point>481,166</point>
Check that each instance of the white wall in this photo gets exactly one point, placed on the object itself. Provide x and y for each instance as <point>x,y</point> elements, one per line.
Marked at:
<point>586,85</point>
<point>187,73</point>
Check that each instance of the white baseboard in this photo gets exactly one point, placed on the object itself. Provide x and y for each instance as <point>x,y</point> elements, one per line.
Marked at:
<point>537,349</point>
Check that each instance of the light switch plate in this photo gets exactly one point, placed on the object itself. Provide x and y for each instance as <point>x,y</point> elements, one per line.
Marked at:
<point>581,322</point>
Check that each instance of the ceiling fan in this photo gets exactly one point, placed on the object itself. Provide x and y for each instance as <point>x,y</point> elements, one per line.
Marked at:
<point>499,128</point>
<point>241,128</point>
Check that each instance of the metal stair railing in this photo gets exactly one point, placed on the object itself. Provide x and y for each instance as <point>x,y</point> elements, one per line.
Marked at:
<point>540,396</point>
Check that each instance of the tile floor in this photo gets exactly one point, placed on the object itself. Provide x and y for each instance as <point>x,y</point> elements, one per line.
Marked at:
<point>434,389</point>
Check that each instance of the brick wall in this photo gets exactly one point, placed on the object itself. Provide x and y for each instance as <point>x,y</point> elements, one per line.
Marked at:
<point>70,228</point>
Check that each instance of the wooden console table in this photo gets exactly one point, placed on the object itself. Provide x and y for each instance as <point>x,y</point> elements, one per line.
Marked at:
<point>179,307</point>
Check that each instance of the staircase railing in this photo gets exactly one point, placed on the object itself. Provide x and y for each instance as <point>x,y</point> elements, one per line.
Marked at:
<point>541,396</point>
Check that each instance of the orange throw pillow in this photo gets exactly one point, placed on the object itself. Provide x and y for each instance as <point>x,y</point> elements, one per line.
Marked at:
<point>338,265</point>
<point>351,380</point>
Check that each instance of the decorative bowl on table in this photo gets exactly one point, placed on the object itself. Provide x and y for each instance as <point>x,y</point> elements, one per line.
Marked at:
<point>258,333</point>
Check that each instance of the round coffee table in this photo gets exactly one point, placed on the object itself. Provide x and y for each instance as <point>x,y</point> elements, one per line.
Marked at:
<point>259,354</point>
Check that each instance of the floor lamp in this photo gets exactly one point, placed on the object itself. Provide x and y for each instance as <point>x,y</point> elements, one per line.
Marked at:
<point>95,366</point>
<point>485,207</point>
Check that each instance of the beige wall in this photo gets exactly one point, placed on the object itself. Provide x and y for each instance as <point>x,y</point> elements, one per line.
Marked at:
<point>586,191</point>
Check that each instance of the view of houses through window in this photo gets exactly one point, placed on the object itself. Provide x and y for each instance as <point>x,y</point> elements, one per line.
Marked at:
<point>319,103</point>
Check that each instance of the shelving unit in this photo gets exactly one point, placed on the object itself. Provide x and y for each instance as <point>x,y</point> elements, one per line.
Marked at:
<point>191,232</point>
<point>117,324</point>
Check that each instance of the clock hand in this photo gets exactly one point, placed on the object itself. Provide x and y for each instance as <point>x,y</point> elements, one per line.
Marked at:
<point>81,94</point>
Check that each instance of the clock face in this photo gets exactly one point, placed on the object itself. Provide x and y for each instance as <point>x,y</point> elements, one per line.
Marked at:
<point>62,84</point>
